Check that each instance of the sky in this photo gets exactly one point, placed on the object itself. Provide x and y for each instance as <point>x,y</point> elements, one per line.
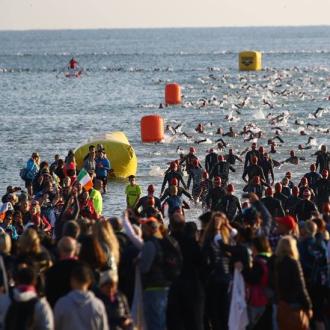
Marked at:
<point>93,14</point>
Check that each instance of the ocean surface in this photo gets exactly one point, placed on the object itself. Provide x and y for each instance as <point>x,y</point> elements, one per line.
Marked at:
<point>126,73</point>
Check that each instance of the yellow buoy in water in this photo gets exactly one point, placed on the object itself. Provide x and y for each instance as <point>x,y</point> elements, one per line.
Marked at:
<point>250,61</point>
<point>119,151</point>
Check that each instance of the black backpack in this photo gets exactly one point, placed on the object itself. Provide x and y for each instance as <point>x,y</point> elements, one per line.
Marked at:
<point>20,315</point>
<point>172,257</point>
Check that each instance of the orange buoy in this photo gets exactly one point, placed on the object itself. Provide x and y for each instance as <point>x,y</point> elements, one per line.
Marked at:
<point>172,94</point>
<point>152,128</point>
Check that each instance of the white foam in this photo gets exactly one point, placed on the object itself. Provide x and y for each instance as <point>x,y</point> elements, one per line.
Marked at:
<point>156,171</point>
<point>259,114</point>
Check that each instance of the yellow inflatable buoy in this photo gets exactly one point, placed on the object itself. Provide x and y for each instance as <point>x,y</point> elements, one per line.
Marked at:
<point>120,153</point>
<point>250,61</point>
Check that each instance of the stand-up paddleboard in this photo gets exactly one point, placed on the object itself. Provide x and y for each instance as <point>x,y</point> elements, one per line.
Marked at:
<point>72,74</point>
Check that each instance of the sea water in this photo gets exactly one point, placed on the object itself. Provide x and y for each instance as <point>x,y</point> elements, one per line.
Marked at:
<point>125,75</point>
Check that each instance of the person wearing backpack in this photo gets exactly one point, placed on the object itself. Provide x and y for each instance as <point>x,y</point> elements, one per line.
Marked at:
<point>159,266</point>
<point>27,310</point>
<point>30,171</point>
<point>257,279</point>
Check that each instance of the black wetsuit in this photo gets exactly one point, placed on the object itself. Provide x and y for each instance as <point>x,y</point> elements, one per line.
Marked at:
<point>214,196</point>
<point>210,160</point>
<point>282,198</point>
<point>252,171</point>
<point>258,189</point>
<point>172,175</point>
<point>274,206</point>
<point>221,169</point>
<point>229,205</point>
<point>291,204</point>
<point>268,168</point>
<point>304,210</point>
<point>322,190</point>
<point>248,157</point>
<point>323,161</point>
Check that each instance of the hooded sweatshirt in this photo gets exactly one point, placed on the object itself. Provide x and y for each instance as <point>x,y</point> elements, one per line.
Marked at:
<point>43,316</point>
<point>80,310</point>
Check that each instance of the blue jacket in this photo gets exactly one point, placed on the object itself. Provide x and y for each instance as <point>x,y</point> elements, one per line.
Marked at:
<point>102,171</point>
<point>32,169</point>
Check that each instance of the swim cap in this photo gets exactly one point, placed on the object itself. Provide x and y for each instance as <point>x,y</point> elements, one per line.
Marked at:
<point>278,187</point>
<point>174,182</point>
<point>230,188</point>
<point>173,165</point>
<point>151,188</point>
<point>269,191</point>
<point>295,191</point>
<point>217,179</point>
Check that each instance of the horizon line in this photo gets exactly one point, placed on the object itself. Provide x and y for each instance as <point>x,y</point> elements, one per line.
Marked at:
<point>163,28</point>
